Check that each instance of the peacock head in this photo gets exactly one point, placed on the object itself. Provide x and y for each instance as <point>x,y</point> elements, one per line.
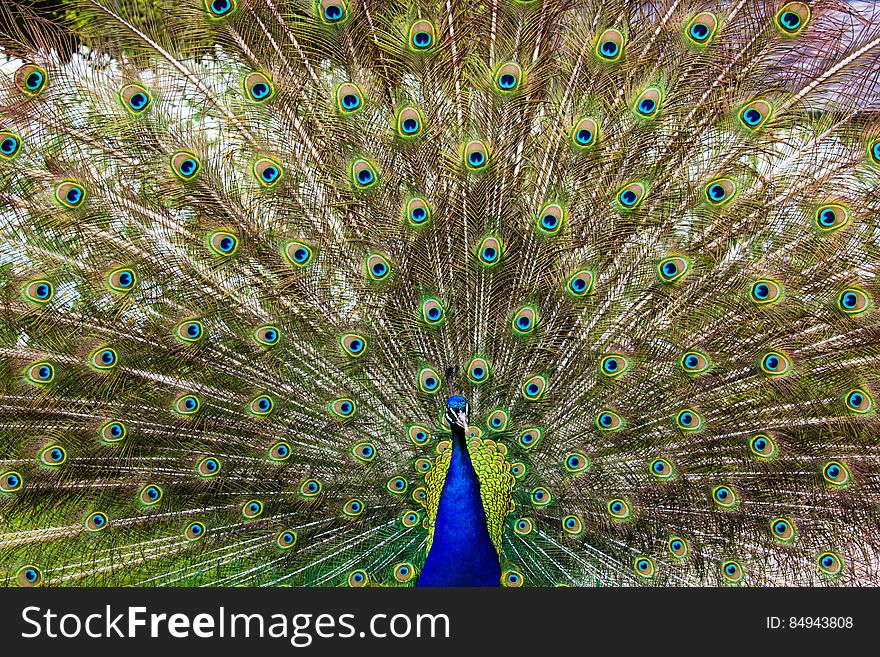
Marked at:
<point>457,410</point>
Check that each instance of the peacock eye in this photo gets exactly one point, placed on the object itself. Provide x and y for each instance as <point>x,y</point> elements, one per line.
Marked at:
<point>261,405</point>
<point>422,35</point>
<point>310,487</point>
<point>580,283</point>
<point>644,567</point>
<point>783,530</point>
<point>353,508</point>
<point>540,496</point>
<point>29,576</point>
<point>220,8</point>
<point>678,547</point>
<point>209,467</point>
<point>701,28</point>
<point>476,155</point>
<point>429,380</point>
<point>417,212</point>
<point>775,363</point>
<point>122,280</point>
<point>763,446</point>
<point>10,145</point>
<point>508,78</point>
<point>363,174</point>
<point>104,358</point>
<point>150,495</point>
<point>349,98</point>
<point>573,525</point>
<point>258,87</point>
<point>530,438</point>
<point>40,373</point>
<point>662,469</point>
<point>96,522</point>
<point>853,301</point>
<point>333,12</point>
<point>836,473</point>
<point>185,164</point>
<point>343,408</point>
<point>534,387</point>
<point>497,420</point>
<point>755,114</point>
<point>364,451</point>
<point>609,420</point>
<point>195,531</point>
<point>577,462</point>
<point>720,192</point>
<point>404,572</point>
<point>113,432</point>
<point>490,251</point>
<point>410,122</point>
<point>186,405</point>
<point>859,401</point>
<point>766,291</point>
<point>630,196</point>
<point>358,578</point>
<point>518,469</point>
<point>619,509</point>
<point>479,371</point>
<point>550,219</point>
<point>419,435</point>
<point>252,509</point>
<point>725,497</point>
<point>647,103</point>
<point>525,320</point>
<point>614,365</point>
<point>280,451</point>
<point>267,335</point>
<point>523,526</point>
<point>397,485</point>
<point>433,312</point>
<point>268,171</point>
<point>39,291</point>
<point>609,46</point>
<point>689,420</point>
<point>189,331</point>
<point>792,18</point>
<point>732,572</point>
<point>377,266</point>
<point>695,362</point>
<point>53,456</point>
<point>30,79</point>
<point>286,539</point>
<point>874,151</point>
<point>512,579</point>
<point>135,98</point>
<point>830,564</point>
<point>10,482</point>
<point>585,133</point>
<point>70,194</point>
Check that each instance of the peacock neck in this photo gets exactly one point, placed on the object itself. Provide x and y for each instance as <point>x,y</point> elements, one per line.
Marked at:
<point>462,553</point>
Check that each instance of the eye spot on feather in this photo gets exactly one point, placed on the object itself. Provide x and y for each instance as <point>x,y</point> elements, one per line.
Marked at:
<point>333,12</point>
<point>609,420</point>
<point>410,122</point>
<point>874,152</point>
<point>732,572</point>
<point>540,496</point>
<point>349,98</point>
<point>252,509</point>
<point>310,488</point>
<point>209,467</point>
<point>122,280</point>
<point>189,331</point>
<point>150,495</point>
<point>701,28</point>
<point>573,525</point>
<point>104,359</point>
<point>475,155</point>
<point>268,172</point>
<point>508,78</point>
<point>135,98</point>
<point>662,468</point>
<point>577,462</point>
<point>195,531</point>
<point>364,451</point>
<point>222,243</point>
<point>96,522</point>
<point>268,335</point>
<point>585,133</point>
<point>432,312</point>
<point>220,8</point>
<point>644,567</point>
<point>280,451</point>
<point>631,196</point>
<point>29,576</point>
<point>38,291</point>
<point>529,438</point>
<point>853,301</point>
<point>689,420</point>
<point>343,408</point>
<point>837,474</point>
<point>550,219</point>
<point>720,192</point>
<point>404,572</point>
<point>523,526</point>
<point>614,365</point>
<point>479,371</point>
<point>497,420</point>
<point>792,18</point>
<point>417,212</point>
<point>40,373</point>
<point>490,251</point>
<point>512,579</point>
<point>647,103</point>
<point>70,194</point>
<point>397,485</point>
<point>775,364</point>
<point>619,509</point>
<point>10,482</point>
<point>534,387</point>
<point>783,530</point>
<point>429,380</point>
<point>261,405</point>
<point>419,435</point>
<point>187,405</point>
<point>185,165</point>
<point>53,456</point>
<point>832,217</point>
<point>525,320</point>
<point>518,469</point>
<point>695,362</point>
<point>610,45</point>
<point>763,446</point>
<point>410,519</point>
<point>353,508</point>
<point>678,547</point>
<point>377,266</point>
<point>755,114</point>
<point>10,145</point>
<point>258,87</point>
<point>859,401</point>
<point>725,497</point>
<point>30,79</point>
<point>358,579</point>
<point>830,564</point>
<point>422,35</point>
<point>286,539</point>
<point>766,291</point>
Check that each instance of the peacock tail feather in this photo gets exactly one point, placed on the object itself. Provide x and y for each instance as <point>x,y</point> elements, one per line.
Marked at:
<point>248,247</point>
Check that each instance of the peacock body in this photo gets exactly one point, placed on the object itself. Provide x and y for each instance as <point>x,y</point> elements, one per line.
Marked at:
<point>377,292</point>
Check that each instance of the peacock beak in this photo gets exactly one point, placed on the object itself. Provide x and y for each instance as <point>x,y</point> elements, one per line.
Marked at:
<point>460,418</point>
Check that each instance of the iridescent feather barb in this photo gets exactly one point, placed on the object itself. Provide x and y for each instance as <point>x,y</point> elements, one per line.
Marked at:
<point>247,245</point>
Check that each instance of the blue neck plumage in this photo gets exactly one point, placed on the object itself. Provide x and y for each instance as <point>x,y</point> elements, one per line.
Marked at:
<point>462,553</point>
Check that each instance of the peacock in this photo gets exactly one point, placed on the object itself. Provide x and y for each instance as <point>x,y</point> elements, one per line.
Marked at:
<point>440,293</point>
